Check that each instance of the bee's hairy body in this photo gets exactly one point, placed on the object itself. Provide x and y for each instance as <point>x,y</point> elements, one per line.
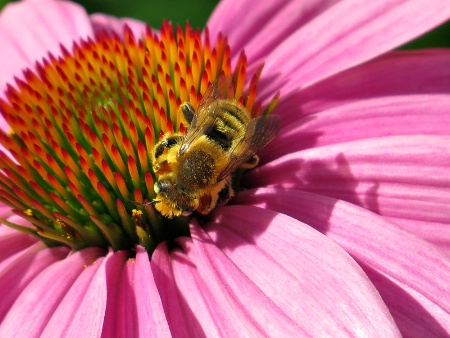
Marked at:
<point>195,170</point>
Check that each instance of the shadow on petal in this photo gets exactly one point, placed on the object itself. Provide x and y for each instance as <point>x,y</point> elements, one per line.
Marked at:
<point>412,318</point>
<point>318,176</point>
<point>219,214</point>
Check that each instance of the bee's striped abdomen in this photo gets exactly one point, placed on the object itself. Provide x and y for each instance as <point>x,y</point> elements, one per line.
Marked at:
<point>229,126</point>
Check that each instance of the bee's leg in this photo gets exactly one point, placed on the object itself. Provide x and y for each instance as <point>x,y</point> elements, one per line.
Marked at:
<point>225,194</point>
<point>204,206</point>
<point>251,162</point>
<point>219,195</point>
<point>187,111</point>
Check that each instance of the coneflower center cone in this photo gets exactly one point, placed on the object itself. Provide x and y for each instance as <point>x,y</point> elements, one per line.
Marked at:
<point>76,160</point>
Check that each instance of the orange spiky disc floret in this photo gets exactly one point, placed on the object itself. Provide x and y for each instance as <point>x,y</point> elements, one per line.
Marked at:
<point>82,126</point>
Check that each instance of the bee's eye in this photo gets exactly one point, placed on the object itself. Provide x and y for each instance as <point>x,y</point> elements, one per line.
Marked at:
<point>157,187</point>
<point>164,186</point>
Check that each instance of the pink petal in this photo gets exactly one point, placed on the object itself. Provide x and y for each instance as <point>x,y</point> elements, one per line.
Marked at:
<point>364,119</point>
<point>307,274</point>
<point>127,311</point>
<point>5,211</point>
<point>13,241</point>
<point>81,312</point>
<point>411,275</point>
<point>177,317</point>
<point>116,276</point>
<point>330,44</point>
<point>18,271</point>
<point>395,74</point>
<point>152,321</point>
<point>265,25</point>
<point>133,308</point>
<point>403,177</point>
<point>31,29</point>
<point>234,280</point>
<point>436,233</point>
<point>102,22</point>
<point>39,299</point>
<point>188,284</point>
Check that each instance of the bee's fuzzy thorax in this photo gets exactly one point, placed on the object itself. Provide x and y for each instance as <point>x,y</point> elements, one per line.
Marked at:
<point>207,156</point>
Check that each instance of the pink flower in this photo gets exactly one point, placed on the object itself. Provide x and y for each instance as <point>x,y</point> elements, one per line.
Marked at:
<point>343,229</point>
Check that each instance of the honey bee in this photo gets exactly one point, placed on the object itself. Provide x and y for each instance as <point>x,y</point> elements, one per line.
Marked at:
<point>195,170</point>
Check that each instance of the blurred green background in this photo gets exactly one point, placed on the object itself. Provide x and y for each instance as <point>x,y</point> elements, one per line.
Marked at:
<point>198,11</point>
<point>153,12</point>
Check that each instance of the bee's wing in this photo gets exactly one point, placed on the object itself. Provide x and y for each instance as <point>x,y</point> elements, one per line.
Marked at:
<point>260,131</point>
<point>206,114</point>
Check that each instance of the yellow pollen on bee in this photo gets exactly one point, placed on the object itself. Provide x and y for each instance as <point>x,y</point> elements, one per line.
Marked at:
<point>137,213</point>
<point>137,216</point>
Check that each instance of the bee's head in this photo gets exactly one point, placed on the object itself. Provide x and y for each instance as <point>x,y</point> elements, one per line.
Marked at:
<point>171,201</point>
